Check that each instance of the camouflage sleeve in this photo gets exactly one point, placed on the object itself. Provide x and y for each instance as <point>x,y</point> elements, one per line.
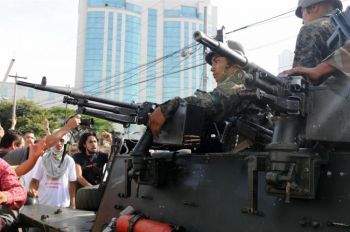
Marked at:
<point>168,108</point>
<point>311,45</point>
<point>340,59</point>
<point>213,102</point>
<point>218,103</point>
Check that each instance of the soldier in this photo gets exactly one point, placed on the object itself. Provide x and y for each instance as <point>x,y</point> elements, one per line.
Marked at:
<point>339,60</point>
<point>311,45</point>
<point>218,104</point>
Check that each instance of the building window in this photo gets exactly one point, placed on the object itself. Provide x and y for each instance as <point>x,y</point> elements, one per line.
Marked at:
<point>172,43</point>
<point>103,3</point>
<point>187,11</point>
<point>5,91</point>
<point>187,90</point>
<point>94,53</point>
<point>151,55</point>
<point>51,96</point>
<point>30,94</point>
<point>116,3</point>
<point>109,86</point>
<point>132,57</point>
<point>172,13</point>
<point>133,7</point>
<point>96,3</point>
<point>117,64</point>
<point>194,63</point>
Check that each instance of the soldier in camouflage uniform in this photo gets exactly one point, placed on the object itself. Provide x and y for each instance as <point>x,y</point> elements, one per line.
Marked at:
<point>219,103</point>
<point>311,45</point>
<point>339,60</point>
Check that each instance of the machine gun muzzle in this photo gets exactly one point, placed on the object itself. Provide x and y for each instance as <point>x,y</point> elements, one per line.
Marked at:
<point>222,49</point>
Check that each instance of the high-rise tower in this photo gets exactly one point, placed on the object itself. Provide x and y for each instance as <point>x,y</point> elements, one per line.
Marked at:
<point>138,50</point>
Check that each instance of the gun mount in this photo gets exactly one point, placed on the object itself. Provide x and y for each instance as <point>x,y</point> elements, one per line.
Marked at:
<point>291,151</point>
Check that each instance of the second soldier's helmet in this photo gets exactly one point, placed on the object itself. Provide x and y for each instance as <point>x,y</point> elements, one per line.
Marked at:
<point>235,46</point>
<point>306,3</point>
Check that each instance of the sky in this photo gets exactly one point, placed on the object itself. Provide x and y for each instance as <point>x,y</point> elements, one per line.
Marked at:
<point>41,35</point>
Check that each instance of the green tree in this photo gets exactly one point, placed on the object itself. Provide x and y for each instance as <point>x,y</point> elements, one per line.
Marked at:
<point>58,115</point>
<point>29,115</point>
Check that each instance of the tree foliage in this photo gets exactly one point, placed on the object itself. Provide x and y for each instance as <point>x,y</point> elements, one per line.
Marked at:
<point>30,116</point>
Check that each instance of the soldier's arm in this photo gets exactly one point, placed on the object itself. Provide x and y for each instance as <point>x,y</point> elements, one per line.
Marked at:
<point>340,59</point>
<point>215,103</point>
<point>159,116</point>
<point>313,73</point>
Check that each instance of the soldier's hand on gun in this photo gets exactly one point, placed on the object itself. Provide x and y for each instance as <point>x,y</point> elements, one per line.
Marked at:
<point>155,121</point>
<point>307,72</point>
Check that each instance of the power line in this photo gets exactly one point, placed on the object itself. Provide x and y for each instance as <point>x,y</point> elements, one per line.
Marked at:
<point>141,71</point>
<point>164,74</point>
<point>259,22</point>
<point>273,18</point>
<point>133,69</point>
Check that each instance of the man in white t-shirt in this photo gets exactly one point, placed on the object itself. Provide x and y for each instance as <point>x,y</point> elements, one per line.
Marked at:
<point>54,178</point>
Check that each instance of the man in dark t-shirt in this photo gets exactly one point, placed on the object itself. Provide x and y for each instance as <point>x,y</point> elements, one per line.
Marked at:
<point>89,162</point>
<point>11,141</point>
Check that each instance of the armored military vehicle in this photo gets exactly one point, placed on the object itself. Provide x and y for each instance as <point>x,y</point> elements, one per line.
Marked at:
<point>296,180</point>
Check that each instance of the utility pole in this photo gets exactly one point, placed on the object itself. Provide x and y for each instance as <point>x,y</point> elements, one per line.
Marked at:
<point>205,75</point>
<point>6,74</point>
<point>15,95</point>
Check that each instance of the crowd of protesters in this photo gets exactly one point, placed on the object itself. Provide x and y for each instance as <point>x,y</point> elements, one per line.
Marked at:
<point>46,169</point>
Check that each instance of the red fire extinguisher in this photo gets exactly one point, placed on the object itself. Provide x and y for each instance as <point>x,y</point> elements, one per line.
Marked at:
<point>136,223</point>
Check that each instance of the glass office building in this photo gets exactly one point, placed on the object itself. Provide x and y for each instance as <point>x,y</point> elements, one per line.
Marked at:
<point>141,50</point>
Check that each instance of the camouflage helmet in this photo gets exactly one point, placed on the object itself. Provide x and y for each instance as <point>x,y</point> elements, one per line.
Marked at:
<point>233,45</point>
<point>307,3</point>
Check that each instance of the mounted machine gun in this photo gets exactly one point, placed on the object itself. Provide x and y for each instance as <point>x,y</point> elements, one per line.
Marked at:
<point>292,166</point>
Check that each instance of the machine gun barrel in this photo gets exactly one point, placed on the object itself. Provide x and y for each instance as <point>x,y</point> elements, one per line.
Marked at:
<point>118,118</point>
<point>120,112</point>
<point>224,50</point>
<point>78,95</point>
<point>83,102</point>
